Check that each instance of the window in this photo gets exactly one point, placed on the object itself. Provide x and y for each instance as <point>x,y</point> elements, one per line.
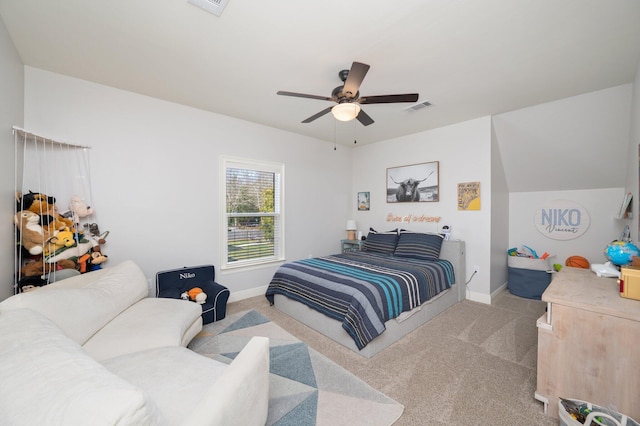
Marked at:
<point>253,215</point>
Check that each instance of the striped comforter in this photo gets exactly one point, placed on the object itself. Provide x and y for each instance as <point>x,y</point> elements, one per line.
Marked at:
<point>362,290</point>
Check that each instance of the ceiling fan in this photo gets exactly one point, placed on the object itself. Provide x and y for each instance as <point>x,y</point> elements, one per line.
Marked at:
<point>348,97</point>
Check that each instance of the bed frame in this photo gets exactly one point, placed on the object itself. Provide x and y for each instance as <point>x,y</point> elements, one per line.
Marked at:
<point>452,250</point>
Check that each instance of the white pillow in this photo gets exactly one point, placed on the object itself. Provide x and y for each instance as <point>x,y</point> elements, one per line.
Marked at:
<point>80,311</point>
<point>49,379</point>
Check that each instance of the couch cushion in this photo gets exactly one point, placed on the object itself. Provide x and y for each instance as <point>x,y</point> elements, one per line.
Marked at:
<point>191,389</point>
<point>147,324</point>
<point>84,304</point>
<point>49,379</point>
<point>175,378</point>
<point>248,376</point>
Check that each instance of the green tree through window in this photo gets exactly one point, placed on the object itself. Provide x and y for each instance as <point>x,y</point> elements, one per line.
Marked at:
<point>253,212</point>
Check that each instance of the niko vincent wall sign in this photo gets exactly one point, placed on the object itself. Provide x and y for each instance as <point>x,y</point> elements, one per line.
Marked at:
<point>562,220</point>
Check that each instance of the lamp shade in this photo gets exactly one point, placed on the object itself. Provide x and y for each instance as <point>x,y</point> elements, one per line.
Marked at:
<point>351,225</point>
<point>346,111</point>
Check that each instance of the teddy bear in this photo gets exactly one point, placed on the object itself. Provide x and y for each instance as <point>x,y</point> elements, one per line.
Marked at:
<point>43,205</point>
<point>32,236</point>
<point>196,295</point>
<point>77,209</point>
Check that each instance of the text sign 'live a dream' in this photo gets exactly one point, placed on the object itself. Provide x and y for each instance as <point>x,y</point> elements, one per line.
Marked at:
<point>562,220</point>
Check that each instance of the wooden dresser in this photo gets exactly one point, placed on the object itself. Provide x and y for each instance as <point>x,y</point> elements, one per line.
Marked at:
<point>589,344</point>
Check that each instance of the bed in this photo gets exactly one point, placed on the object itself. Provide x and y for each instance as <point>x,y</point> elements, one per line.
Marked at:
<point>370,299</point>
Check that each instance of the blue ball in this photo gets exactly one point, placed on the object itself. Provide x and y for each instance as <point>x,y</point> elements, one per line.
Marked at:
<point>621,253</point>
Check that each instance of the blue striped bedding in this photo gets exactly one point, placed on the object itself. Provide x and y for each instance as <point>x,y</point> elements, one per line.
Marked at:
<point>362,290</point>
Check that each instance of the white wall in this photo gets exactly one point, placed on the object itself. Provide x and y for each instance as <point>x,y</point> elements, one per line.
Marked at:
<point>464,153</point>
<point>11,114</point>
<point>568,144</point>
<point>499,218</point>
<point>552,128</point>
<point>602,205</point>
<point>633,156</point>
<point>155,172</point>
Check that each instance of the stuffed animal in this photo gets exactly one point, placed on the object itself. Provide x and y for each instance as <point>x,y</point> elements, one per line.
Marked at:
<point>38,268</point>
<point>35,274</point>
<point>63,239</point>
<point>78,209</point>
<point>43,205</point>
<point>66,249</point>
<point>31,283</point>
<point>91,261</point>
<point>32,236</point>
<point>195,294</point>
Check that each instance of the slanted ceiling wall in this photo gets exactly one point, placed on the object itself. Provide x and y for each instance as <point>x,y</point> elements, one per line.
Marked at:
<point>573,149</point>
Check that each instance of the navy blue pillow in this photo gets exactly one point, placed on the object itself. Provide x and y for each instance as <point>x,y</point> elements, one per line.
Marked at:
<point>380,242</point>
<point>419,246</point>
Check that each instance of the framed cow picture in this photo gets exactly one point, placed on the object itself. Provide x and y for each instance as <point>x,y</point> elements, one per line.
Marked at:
<point>414,183</point>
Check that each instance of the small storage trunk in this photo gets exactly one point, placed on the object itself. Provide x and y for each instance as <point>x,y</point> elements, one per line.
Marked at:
<point>529,277</point>
<point>172,283</point>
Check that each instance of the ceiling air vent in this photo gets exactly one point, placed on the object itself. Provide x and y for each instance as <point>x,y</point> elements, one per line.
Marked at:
<point>418,106</point>
<point>213,6</point>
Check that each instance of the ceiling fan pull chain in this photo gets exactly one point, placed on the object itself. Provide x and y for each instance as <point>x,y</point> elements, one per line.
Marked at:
<point>355,133</point>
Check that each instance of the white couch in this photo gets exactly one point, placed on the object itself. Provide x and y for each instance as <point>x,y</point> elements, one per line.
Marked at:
<point>94,350</point>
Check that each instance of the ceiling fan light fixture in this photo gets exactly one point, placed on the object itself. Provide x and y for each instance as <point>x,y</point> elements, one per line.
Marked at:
<point>346,111</point>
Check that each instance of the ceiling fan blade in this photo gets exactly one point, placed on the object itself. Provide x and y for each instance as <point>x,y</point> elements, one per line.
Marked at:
<point>388,99</point>
<point>354,79</point>
<point>302,95</point>
<point>318,115</point>
<point>364,118</point>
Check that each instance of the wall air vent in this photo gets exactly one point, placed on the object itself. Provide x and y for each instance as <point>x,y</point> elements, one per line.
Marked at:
<point>417,106</point>
<point>213,6</point>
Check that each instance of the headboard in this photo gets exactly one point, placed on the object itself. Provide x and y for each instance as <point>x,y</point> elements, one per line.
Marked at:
<point>454,252</point>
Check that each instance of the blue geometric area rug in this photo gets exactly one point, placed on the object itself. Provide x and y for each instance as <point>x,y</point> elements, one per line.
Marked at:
<point>306,388</point>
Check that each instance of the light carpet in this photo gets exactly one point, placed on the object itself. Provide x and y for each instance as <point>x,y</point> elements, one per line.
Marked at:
<point>306,388</point>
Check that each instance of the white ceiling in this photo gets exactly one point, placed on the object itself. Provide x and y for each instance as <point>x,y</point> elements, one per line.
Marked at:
<point>469,58</point>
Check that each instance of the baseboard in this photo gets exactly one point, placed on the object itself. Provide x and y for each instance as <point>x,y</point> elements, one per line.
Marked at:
<point>478,297</point>
<point>245,294</point>
<point>485,298</point>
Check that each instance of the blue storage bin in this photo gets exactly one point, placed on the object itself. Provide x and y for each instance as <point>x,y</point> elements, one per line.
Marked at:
<point>529,277</point>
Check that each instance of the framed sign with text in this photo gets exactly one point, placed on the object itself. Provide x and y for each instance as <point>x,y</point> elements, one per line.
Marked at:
<point>562,220</point>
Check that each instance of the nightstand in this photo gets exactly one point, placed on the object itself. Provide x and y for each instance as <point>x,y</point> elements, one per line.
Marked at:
<point>351,245</point>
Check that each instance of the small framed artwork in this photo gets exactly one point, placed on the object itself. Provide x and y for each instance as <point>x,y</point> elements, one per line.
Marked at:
<point>469,196</point>
<point>414,183</point>
<point>364,201</point>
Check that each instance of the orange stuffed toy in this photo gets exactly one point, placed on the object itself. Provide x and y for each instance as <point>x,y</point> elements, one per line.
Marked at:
<point>195,294</point>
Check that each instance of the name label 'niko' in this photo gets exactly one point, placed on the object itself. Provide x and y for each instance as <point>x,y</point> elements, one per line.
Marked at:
<point>562,220</point>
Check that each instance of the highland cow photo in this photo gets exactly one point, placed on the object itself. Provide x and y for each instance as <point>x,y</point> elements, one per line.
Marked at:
<point>413,183</point>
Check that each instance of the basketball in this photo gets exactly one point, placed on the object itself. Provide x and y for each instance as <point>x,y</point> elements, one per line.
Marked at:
<point>577,262</point>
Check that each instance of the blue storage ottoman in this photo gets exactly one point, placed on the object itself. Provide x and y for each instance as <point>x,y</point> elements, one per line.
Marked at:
<point>171,284</point>
<point>529,277</point>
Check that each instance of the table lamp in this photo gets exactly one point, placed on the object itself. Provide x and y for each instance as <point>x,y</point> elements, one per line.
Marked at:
<point>351,229</point>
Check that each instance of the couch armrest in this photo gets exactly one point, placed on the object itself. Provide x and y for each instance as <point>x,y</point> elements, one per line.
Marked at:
<point>241,395</point>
